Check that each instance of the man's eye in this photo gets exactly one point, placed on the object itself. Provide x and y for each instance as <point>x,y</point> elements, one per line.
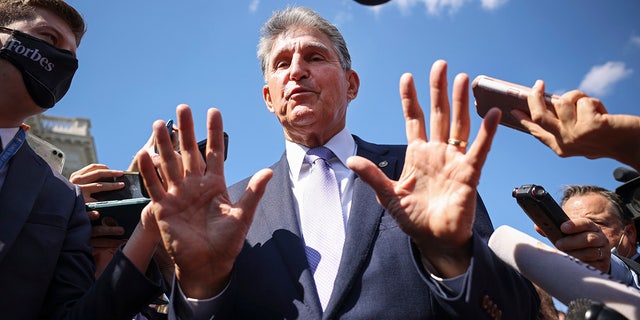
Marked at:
<point>281,64</point>
<point>316,57</point>
<point>52,39</point>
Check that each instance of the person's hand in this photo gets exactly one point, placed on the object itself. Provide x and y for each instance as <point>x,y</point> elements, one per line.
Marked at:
<point>585,241</point>
<point>202,231</point>
<point>579,125</point>
<point>434,200</point>
<point>151,149</point>
<point>103,250</point>
<point>89,180</point>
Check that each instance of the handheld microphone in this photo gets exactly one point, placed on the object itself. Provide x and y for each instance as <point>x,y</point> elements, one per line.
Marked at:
<point>623,174</point>
<point>585,309</point>
<point>562,276</point>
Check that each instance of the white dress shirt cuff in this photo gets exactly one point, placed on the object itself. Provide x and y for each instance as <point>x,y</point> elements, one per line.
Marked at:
<point>202,308</point>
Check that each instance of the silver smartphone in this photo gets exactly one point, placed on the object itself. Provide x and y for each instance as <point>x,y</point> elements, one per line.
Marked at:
<point>495,93</point>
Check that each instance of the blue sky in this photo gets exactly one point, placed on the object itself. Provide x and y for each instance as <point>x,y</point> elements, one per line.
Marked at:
<point>139,59</point>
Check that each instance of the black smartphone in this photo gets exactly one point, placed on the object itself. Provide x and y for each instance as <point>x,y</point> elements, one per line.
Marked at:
<point>133,188</point>
<point>495,93</point>
<point>202,146</point>
<point>540,206</point>
<point>120,207</point>
<point>124,213</point>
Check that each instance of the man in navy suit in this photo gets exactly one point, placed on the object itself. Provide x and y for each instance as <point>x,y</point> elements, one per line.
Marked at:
<point>46,268</point>
<point>416,231</point>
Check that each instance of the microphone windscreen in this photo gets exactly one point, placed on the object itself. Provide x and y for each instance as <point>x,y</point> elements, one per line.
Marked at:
<point>577,309</point>
<point>583,309</point>
<point>562,276</point>
<point>623,174</point>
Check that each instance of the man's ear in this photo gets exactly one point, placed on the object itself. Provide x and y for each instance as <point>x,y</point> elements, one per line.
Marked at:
<point>354,84</point>
<point>631,231</point>
<point>266,96</point>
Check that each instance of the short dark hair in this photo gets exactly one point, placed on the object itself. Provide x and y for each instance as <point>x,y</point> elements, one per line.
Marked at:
<point>16,10</point>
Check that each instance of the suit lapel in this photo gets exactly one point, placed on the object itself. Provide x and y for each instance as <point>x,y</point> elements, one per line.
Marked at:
<point>285,228</point>
<point>22,184</point>
<point>364,220</point>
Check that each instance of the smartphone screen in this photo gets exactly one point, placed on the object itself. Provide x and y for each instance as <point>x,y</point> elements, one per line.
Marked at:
<point>495,93</point>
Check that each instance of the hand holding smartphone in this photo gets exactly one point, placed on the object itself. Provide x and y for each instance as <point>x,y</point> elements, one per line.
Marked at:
<point>545,212</point>
<point>491,92</point>
<point>120,207</point>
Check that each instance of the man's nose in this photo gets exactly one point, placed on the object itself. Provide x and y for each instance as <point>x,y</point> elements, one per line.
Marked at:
<point>299,68</point>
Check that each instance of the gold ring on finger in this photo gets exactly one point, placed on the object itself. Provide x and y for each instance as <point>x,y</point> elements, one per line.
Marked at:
<point>457,143</point>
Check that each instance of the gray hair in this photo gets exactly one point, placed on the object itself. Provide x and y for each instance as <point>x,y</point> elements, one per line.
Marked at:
<point>613,198</point>
<point>282,21</point>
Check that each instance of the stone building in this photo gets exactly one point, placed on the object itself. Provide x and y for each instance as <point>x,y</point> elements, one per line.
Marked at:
<point>65,143</point>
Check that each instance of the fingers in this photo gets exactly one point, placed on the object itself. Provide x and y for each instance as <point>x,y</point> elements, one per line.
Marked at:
<point>191,158</point>
<point>86,169</point>
<point>460,122</point>
<point>170,167</point>
<point>591,247</point>
<point>93,173</point>
<point>215,143</point>
<point>586,107</point>
<point>582,235</point>
<point>579,225</point>
<point>149,146</point>
<point>150,178</point>
<point>439,121</point>
<point>537,105</point>
<point>479,150</point>
<point>106,230</point>
<point>370,174</point>
<point>88,190</point>
<point>252,195</point>
<point>93,215</point>
<point>95,178</point>
<point>413,115</point>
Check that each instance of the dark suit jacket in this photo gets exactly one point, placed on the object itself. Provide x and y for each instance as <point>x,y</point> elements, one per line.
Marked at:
<point>46,266</point>
<point>379,276</point>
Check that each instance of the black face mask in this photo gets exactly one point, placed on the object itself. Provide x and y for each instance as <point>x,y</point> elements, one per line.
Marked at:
<point>46,70</point>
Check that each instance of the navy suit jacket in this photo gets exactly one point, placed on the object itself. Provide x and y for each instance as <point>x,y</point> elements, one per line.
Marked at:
<point>379,277</point>
<point>46,266</point>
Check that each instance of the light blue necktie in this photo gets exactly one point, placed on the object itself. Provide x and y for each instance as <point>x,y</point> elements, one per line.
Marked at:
<point>322,221</point>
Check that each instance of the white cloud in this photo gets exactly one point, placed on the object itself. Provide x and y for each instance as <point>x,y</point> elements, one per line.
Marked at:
<point>635,40</point>
<point>600,79</point>
<point>253,6</point>
<point>492,4</point>
<point>435,7</point>
<point>404,5</point>
<point>342,18</point>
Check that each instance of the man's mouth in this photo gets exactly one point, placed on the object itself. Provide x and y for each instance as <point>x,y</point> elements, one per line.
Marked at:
<point>297,90</point>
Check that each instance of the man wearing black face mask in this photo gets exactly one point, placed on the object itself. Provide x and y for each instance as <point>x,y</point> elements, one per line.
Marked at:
<point>46,267</point>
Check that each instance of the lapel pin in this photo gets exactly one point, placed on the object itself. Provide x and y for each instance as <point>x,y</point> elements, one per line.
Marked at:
<point>383,164</point>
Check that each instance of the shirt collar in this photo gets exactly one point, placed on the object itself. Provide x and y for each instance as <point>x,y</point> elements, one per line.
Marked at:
<point>7,135</point>
<point>342,145</point>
